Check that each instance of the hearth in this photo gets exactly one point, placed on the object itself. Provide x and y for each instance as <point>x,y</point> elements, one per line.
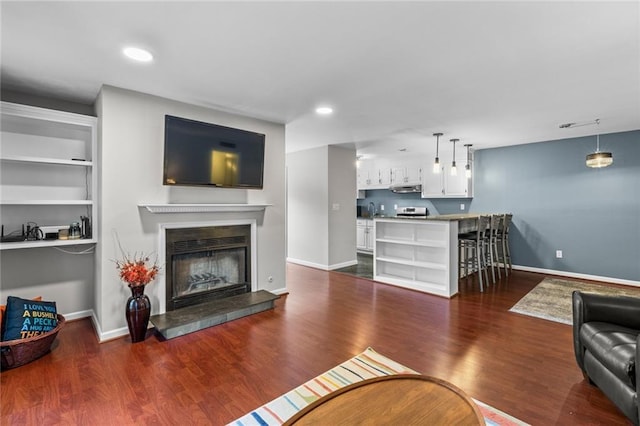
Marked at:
<point>207,263</point>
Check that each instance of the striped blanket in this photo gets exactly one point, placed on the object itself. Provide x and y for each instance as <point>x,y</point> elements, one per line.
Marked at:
<point>367,365</point>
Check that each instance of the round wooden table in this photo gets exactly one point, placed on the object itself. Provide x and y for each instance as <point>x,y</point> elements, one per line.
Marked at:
<point>402,399</point>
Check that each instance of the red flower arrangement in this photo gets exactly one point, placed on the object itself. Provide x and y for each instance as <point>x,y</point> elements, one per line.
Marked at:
<point>136,270</point>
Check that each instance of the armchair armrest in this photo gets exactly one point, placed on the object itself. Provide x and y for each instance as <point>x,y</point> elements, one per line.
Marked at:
<point>588,307</point>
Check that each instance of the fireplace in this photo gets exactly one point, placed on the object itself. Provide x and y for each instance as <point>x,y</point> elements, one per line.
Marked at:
<point>206,263</point>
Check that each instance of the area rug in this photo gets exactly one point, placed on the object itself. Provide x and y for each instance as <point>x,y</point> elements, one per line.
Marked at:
<point>551,298</point>
<point>367,365</point>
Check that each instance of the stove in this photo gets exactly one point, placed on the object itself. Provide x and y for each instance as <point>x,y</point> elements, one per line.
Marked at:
<point>409,212</point>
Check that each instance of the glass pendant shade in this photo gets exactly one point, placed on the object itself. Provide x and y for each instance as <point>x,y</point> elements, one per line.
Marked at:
<point>599,159</point>
<point>436,166</point>
<point>467,171</point>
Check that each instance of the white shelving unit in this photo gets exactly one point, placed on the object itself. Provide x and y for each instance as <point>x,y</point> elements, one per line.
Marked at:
<point>418,254</point>
<point>48,173</point>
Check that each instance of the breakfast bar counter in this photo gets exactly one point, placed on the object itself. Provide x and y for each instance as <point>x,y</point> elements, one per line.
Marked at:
<point>420,253</point>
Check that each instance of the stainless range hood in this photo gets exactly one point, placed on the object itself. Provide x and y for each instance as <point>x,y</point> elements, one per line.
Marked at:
<point>405,189</point>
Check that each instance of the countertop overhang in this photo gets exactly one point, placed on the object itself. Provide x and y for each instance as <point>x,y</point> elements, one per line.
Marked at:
<point>441,217</point>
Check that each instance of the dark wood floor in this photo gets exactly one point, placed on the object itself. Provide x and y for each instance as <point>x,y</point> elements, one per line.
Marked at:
<point>521,365</point>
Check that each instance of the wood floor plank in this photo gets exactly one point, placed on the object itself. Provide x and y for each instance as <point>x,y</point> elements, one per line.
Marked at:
<point>522,365</point>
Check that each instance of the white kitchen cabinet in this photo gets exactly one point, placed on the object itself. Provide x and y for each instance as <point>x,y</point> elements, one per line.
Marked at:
<point>384,177</point>
<point>364,234</point>
<point>371,175</point>
<point>48,174</point>
<point>382,173</point>
<point>443,185</point>
<point>406,175</point>
<point>364,175</point>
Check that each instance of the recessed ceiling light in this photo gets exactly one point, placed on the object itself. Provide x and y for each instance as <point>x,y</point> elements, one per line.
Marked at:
<point>324,110</point>
<point>138,54</point>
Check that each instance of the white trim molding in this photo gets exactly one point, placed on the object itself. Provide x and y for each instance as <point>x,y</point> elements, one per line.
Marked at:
<point>578,275</point>
<point>322,266</point>
<point>202,208</point>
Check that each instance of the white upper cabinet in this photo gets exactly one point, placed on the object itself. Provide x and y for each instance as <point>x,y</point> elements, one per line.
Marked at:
<point>382,173</point>
<point>364,175</point>
<point>433,184</point>
<point>384,177</point>
<point>444,185</point>
<point>406,175</point>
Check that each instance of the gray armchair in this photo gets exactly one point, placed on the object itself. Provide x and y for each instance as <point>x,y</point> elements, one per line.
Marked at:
<point>606,340</point>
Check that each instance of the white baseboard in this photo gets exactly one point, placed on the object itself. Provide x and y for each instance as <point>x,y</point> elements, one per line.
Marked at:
<point>343,265</point>
<point>577,275</point>
<point>279,291</point>
<point>109,335</point>
<point>307,263</point>
<point>322,266</point>
<point>101,336</point>
<point>77,315</point>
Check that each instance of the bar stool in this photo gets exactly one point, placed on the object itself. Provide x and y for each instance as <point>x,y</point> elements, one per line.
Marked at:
<point>491,245</point>
<point>471,248</point>
<point>504,256</point>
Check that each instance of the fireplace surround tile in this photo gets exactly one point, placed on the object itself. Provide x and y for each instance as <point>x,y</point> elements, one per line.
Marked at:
<point>197,317</point>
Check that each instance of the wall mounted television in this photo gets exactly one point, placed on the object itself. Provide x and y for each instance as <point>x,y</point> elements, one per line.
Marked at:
<point>205,154</point>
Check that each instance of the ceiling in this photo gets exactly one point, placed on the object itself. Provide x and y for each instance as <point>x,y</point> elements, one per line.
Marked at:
<point>488,73</point>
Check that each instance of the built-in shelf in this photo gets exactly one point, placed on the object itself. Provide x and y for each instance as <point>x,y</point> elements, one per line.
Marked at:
<point>203,208</point>
<point>45,160</point>
<point>425,243</point>
<point>417,254</point>
<point>49,175</point>
<point>412,263</point>
<point>46,202</point>
<point>44,243</point>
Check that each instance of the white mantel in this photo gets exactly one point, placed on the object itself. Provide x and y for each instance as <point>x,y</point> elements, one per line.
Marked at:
<point>202,208</point>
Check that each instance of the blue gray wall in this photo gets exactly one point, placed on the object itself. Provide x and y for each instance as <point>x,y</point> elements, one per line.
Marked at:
<point>592,215</point>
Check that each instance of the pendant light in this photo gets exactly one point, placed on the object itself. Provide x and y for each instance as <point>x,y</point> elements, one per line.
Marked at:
<point>467,168</point>
<point>436,164</point>
<point>599,159</point>
<point>454,169</point>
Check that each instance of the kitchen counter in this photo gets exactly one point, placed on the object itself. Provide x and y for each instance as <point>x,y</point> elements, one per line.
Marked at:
<point>458,216</point>
<point>442,217</point>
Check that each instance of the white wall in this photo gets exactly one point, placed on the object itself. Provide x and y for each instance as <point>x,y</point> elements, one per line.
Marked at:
<point>307,198</point>
<point>317,235</point>
<point>66,279</point>
<point>342,192</point>
<point>131,155</point>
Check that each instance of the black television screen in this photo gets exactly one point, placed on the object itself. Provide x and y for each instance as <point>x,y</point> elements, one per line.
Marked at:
<point>204,154</point>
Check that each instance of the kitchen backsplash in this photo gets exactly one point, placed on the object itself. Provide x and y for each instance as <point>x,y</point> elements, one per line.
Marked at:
<point>388,199</point>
